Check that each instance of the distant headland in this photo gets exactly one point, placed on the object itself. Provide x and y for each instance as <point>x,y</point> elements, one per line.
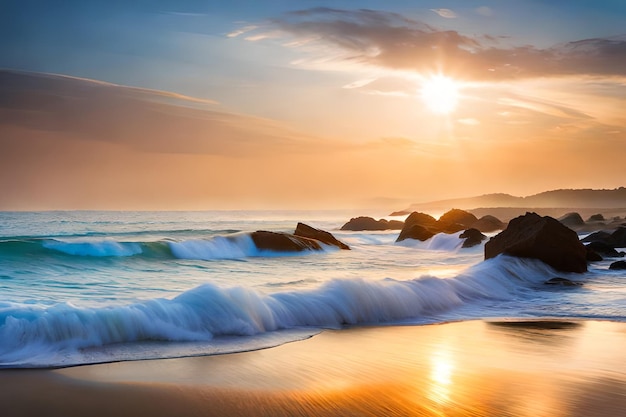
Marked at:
<point>549,203</point>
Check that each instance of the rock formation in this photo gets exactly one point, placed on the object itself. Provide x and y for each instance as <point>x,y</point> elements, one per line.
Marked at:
<point>283,242</point>
<point>323,236</point>
<point>618,265</point>
<point>368,223</point>
<point>488,223</point>
<point>572,220</point>
<point>543,238</point>
<point>472,237</point>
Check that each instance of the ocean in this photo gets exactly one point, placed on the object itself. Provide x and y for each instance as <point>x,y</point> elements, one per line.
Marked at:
<point>93,287</point>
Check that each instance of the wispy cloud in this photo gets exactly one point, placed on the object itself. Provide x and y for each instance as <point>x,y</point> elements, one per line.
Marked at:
<point>447,13</point>
<point>241,31</point>
<point>389,40</point>
<point>145,120</point>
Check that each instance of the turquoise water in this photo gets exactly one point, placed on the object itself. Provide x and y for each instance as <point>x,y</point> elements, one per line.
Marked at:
<point>85,287</point>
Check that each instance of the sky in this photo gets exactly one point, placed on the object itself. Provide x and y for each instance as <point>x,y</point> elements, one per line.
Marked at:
<point>175,105</point>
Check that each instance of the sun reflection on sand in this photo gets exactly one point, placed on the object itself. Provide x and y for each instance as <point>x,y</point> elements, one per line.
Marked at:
<point>441,372</point>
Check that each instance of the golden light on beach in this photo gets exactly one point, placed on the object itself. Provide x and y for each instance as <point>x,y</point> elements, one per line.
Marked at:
<point>441,372</point>
<point>440,94</point>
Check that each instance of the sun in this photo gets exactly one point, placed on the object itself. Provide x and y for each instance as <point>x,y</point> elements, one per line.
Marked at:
<point>440,94</point>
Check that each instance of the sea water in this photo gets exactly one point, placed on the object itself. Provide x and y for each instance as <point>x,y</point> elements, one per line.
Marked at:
<point>91,287</point>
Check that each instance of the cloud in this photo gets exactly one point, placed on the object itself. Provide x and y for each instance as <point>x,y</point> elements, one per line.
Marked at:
<point>447,13</point>
<point>389,40</point>
<point>145,120</point>
<point>241,31</point>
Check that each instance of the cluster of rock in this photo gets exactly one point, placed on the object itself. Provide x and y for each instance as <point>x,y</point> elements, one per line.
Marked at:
<point>605,244</point>
<point>529,236</point>
<point>304,238</point>
<point>595,222</point>
<point>551,241</point>
<point>422,226</point>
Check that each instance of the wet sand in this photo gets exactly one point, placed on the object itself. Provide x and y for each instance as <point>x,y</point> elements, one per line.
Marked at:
<point>478,368</point>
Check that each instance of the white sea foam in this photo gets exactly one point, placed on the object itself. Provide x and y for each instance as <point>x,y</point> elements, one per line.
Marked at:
<point>29,333</point>
<point>219,247</point>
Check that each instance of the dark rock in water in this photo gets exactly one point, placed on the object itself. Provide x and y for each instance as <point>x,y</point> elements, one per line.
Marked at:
<point>323,236</point>
<point>572,220</point>
<point>600,236</point>
<point>618,265</point>
<point>450,227</point>
<point>488,223</point>
<point>415,232</point>
<point>564,282</point>
<point>616,239</point>
<point>421,219</point>
<point>596,218</point>
<point>592,255</point>
<point>603,249</point>
<point>543,238</point>
<point>283,242</point>
<point>472,237</point>
<point>420,226</point>
<point>368,223</point>
<point>458,216</point>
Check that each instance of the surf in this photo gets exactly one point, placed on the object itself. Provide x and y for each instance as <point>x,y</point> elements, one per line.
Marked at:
<point>33,336</point>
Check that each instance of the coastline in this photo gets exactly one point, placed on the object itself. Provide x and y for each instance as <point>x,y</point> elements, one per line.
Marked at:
<point>516,368</point>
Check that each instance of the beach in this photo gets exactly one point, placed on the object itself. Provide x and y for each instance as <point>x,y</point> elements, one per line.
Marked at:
<point>471,368</point>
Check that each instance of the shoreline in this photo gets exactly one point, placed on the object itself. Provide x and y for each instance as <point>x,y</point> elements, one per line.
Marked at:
<point>492,367</point>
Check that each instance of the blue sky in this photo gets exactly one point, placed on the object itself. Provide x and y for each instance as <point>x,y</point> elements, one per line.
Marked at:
<point>156,43</point>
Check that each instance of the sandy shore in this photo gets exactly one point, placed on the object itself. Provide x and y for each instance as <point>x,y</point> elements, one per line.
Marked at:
<point>459,369</point>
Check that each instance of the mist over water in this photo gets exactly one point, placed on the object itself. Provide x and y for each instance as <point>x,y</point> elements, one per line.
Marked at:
<point>85,287</point>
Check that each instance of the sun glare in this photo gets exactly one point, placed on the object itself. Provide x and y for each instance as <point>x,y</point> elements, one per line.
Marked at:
<point>440,94</point>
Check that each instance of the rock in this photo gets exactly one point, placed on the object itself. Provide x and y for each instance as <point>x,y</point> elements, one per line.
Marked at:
<point>283,242</point>
<point>572,220</point>
<point>596,218</point>
<point>488,224</point>
<point>564,282</point>
<point>603,249</point>
<point>601,236</point>
<point>618,265</point>
<point>422,219</point>
<point>458,216</point>
<point>543,238</point>
<point>415,232</point>
<point>420,226</point>
<point>450,227</point>
<point>592,255</point>
<point>472,237</point>
<point>394,224</point>
<point>616,239</point>
<point>323,236</point>
<point>400,213</point>
<point>368,223</point>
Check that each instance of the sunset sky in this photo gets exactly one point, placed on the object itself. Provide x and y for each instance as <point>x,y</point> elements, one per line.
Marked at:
<point>305,103</point>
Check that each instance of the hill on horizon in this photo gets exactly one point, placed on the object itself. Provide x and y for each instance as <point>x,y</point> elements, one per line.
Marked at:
<point>563,198</point>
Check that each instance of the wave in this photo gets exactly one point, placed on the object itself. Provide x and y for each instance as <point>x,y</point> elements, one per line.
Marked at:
<point>233,246</point>
<point>38,336</point>
<point>449,242</point>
